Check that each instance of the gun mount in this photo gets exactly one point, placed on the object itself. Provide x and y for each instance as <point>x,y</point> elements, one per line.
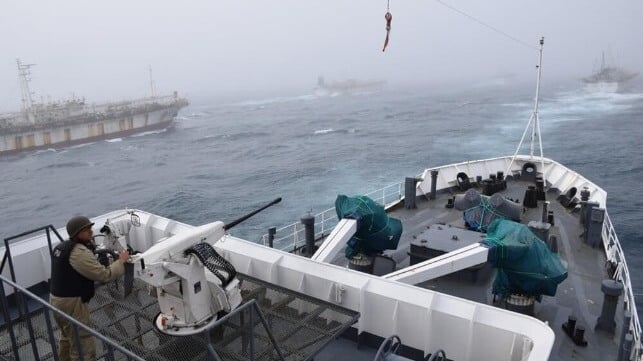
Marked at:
<point>193,283</point>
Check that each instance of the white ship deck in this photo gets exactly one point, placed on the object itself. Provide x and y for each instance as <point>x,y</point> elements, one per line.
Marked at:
<point>454,313</point>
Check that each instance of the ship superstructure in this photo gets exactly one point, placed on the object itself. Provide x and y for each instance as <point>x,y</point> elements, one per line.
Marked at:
<point>608,78</point>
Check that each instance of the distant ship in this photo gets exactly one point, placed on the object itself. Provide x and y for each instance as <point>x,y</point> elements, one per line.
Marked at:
<point>607,79</point>
<point>350,86</point>
<point>71,122</point>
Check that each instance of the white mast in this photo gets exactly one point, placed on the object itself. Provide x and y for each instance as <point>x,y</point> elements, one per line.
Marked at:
<point>152,86</point>
<point>24,75</point>
<point>534,122</point>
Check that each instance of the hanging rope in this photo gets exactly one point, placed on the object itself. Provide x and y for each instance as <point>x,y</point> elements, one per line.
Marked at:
<point>388,17</point>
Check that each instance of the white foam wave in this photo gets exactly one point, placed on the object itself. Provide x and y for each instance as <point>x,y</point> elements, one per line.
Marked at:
<point>114,140</point>
<point>582,102</point>
<point>323,131</point>
<point>42,151</point>
<point>261,102</point>
<point>80,145</point>
<point>150,132</point>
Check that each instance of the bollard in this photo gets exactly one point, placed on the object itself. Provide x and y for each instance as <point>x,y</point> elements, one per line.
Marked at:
<point>530,200</point>
<point>434,183</point>
<point>271,236</point>
<point>545,207</point>
<point>478,180</point>
<point>409,193</point>
<point>584,198</point>
<point>584,194</point>
<point>309,231</point>
<point>540,189</point>
<point>612,290</point>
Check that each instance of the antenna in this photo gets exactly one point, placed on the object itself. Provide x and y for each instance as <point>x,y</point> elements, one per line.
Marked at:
<point>534,122</point>
<point>152,85</point>
<point>24,75</point>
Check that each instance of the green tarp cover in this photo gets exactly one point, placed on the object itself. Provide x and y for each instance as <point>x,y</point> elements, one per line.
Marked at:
<point>524,263</point>
<point>376,231</point>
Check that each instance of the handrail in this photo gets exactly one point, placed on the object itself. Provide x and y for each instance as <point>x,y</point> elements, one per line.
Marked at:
<point>111,345</point>
<point>20,293</point>
<point>293,239</point>
<point>255,308</point>
<point>7,242</point>
<point>616,256</point>
<point>293,234</point>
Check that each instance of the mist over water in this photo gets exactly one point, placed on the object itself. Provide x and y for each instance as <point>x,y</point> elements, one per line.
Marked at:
<point>222,160</point>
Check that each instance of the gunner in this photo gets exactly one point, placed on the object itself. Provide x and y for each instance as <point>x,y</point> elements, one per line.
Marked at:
<point>74,269</point>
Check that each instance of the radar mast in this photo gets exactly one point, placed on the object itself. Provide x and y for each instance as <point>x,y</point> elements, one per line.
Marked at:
<point>534,122</point>
<point>24,75</point>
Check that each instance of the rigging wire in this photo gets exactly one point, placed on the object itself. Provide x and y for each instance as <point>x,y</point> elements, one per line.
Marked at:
<point>487,25</point>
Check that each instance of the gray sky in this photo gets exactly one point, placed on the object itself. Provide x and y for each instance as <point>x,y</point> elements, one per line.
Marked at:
<point>102,49</point>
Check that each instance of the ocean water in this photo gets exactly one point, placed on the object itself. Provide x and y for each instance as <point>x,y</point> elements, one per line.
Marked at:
<point>222,160</point>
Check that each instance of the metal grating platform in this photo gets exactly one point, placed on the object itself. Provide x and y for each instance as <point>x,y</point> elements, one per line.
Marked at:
<point>301,326</point>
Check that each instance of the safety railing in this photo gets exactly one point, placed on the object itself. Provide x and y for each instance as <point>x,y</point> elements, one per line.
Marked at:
<point>10,240</point>
<point>29,343</point>
<point>252,309</point>
<point>291,237</point>
<point>30,333</point>
<point>616,256</point>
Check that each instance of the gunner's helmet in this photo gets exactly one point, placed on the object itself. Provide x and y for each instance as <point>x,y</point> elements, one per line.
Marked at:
<point>77,224</point>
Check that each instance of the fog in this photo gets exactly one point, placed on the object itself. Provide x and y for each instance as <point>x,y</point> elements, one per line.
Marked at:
<point>103,50</point>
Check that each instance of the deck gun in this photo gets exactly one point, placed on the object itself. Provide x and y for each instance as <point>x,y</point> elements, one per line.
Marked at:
<point>192,282</point>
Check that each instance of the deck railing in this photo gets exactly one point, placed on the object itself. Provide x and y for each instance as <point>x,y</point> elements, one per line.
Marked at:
<point>26,338</point>
<point>616,256</point>
<point>29,341</point>
<point>291,237</point>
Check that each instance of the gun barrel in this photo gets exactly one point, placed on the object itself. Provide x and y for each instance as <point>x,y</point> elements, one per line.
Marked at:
<point>243,218</point>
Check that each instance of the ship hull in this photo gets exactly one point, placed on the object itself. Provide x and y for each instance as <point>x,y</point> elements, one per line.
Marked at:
<point>65,135</point>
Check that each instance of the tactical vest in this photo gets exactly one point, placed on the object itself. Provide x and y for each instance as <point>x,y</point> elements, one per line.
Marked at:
<point>65,280</point>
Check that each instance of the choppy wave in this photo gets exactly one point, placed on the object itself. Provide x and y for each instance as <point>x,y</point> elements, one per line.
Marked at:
<point>63,165</point>
<point>233,136</point>
<point>224,159</point>
<point>580,102</point>
<point>275,100</point>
